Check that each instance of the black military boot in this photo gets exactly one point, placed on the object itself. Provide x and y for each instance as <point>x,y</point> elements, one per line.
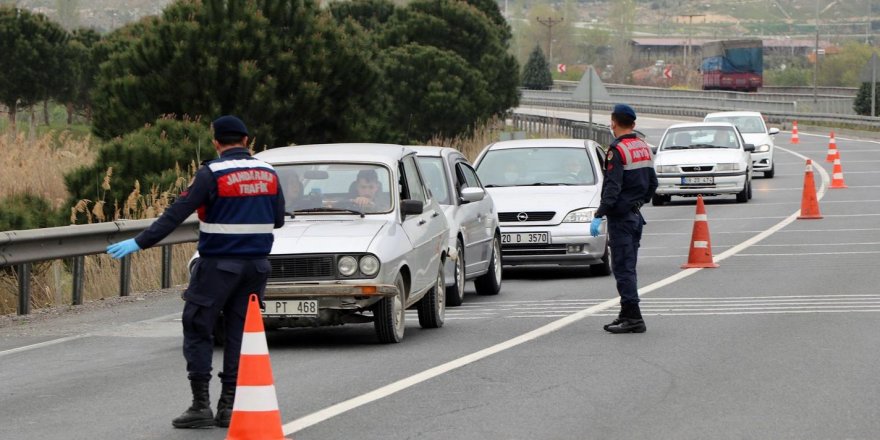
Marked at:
<point>199,415</point>
<point>224,405</point>
<point>628,321</point>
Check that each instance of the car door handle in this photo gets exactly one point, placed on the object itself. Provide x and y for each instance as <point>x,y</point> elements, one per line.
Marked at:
<point>435,214</point>
<point>422,221</point>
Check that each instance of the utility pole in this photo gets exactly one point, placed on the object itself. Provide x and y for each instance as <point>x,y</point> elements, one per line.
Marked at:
<point>816,63</point>
<point>687,49</point>
<point>550,22</point>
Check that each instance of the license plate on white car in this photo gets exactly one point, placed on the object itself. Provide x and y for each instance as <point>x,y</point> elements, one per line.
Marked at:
<point>703,180</point>
<point>525,238</point>
<point>306,308</point>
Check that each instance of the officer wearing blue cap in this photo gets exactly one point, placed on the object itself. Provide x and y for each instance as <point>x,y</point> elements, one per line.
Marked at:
<point>629,182</point>
<point>239,203</point>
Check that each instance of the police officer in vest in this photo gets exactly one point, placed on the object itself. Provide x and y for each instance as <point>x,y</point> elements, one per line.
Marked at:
<point>239,203</point>
<point>629,182</point>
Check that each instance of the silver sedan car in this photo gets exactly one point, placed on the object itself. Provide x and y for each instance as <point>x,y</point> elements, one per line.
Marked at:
<point>474,235</point>
<point>365,240</point>
<point>546,192</point>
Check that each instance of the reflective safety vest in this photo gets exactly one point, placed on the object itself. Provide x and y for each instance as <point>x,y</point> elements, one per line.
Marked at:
<point>239,221</point>
<point>635,154</point>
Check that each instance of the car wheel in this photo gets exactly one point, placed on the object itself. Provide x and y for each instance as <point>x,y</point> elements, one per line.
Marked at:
<point>455,292</point>
<point>490,282</point>
<point>432,307</point>
<point>743,196</point>
<point>769,174</point>
<point>658,200</point>
<point>389,314</point>
<point>603,268</point>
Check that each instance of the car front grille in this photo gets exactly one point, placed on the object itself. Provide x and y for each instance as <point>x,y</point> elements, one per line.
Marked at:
<point>697,168</point>
<point>302,267</point>
<point>533,249</point>
<point>529,216</point>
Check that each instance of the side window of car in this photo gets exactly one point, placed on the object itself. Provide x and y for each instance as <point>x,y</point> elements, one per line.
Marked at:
<point>415,190</point>
<point>470,176</point>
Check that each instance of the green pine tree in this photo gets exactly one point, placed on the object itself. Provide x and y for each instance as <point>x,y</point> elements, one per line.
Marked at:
<point>862,103</point>
<point>536,73</point>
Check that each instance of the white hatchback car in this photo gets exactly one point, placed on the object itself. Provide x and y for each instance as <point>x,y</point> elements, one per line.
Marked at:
<point>708,158</point>
<point>546,192</point>
<point>754,131</point>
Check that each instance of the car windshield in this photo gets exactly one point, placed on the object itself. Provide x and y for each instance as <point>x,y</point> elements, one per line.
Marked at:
<point>347,188</point>
<point>536,167</point>
<point>699,137</point>
<point>745,124</point>
<point>435,178</point>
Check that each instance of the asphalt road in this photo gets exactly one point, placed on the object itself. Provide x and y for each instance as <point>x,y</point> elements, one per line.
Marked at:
<point>779,342</point>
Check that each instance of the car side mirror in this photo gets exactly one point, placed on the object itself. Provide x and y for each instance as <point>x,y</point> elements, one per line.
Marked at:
<point>773,131</point>
<point>411,207</point>
<point>472,194</point>
<point>749,147</point>
<point>654,149</point>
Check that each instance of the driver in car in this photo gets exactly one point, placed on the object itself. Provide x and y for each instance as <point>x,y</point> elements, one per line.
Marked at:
<point>367,188</point>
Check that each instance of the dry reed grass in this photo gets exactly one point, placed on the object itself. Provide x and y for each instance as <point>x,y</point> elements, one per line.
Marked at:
<point>472,144</point>
<point>51,282</point>
<point>37,167</point>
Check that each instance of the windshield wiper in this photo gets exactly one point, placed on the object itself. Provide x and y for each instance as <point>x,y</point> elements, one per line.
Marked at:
<point>491,185</point>
<point>548,184</point>
<point>677,147</point>
<point>706,146</point>
<point>327,209</point>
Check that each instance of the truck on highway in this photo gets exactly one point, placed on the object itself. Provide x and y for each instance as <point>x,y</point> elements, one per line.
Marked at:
<point>733,65</point>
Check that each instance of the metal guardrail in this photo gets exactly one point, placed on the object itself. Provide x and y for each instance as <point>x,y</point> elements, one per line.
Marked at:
<point>835,100</point>
<point>600,133</point>
<point>20,249</point>
<point>564,100</point>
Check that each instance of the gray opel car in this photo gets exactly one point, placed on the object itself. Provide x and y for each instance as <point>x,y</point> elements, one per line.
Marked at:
<point>364,240</point>
<point>474,234</point>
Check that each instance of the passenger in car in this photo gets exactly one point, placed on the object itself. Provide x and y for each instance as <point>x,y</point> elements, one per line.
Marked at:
<point>293,193</point>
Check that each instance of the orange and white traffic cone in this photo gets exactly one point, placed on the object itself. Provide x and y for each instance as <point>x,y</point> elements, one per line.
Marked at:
<point>255,414</point>
<point>794,134</point>
<point>701,246</point>
<point>837,175</point>
<point>832,149</point>
<point>809,201</point>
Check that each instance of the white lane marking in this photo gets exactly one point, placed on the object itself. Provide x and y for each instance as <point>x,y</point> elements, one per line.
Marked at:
<point>392,388</point>
<point>42,344</point>
<point>788,231</point>
<point>74,337</point>
<point>809,254</point>
<point>760,312</point>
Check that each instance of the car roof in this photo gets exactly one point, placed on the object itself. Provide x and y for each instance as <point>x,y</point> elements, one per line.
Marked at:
<point>741,113</point>
<point>701,124</point>
<point>388,154</point>
<point>539,143</point>
<point>431,151</point>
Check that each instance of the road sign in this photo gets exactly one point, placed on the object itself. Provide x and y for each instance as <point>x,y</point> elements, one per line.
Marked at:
<point>667,72</point>
<point>871,71</point>
<point>560,68</point>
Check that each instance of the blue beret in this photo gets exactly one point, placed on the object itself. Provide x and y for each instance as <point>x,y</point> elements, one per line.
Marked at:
<point>624,109</point>
<point>228,126</point>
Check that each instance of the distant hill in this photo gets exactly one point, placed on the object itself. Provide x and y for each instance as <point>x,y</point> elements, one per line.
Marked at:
<point>101,15</point>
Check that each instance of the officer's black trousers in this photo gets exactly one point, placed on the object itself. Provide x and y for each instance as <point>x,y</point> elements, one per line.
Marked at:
<point>625,235</point>
<point>219,284</point>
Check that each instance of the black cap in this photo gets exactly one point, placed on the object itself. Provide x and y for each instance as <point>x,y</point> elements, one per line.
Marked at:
<point>623,109</point>
<point>229,126</point>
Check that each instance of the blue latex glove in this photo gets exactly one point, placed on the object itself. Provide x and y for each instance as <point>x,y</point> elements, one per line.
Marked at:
<point>123,248</point>
<point>594,226</point>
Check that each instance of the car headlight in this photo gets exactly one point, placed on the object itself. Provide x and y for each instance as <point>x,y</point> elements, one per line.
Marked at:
<point>584,215</point>
<point>347,266</point>
<point>727,167</point>
<point>369,265</point>
<point>762,148</point>
<point>667,169</point>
